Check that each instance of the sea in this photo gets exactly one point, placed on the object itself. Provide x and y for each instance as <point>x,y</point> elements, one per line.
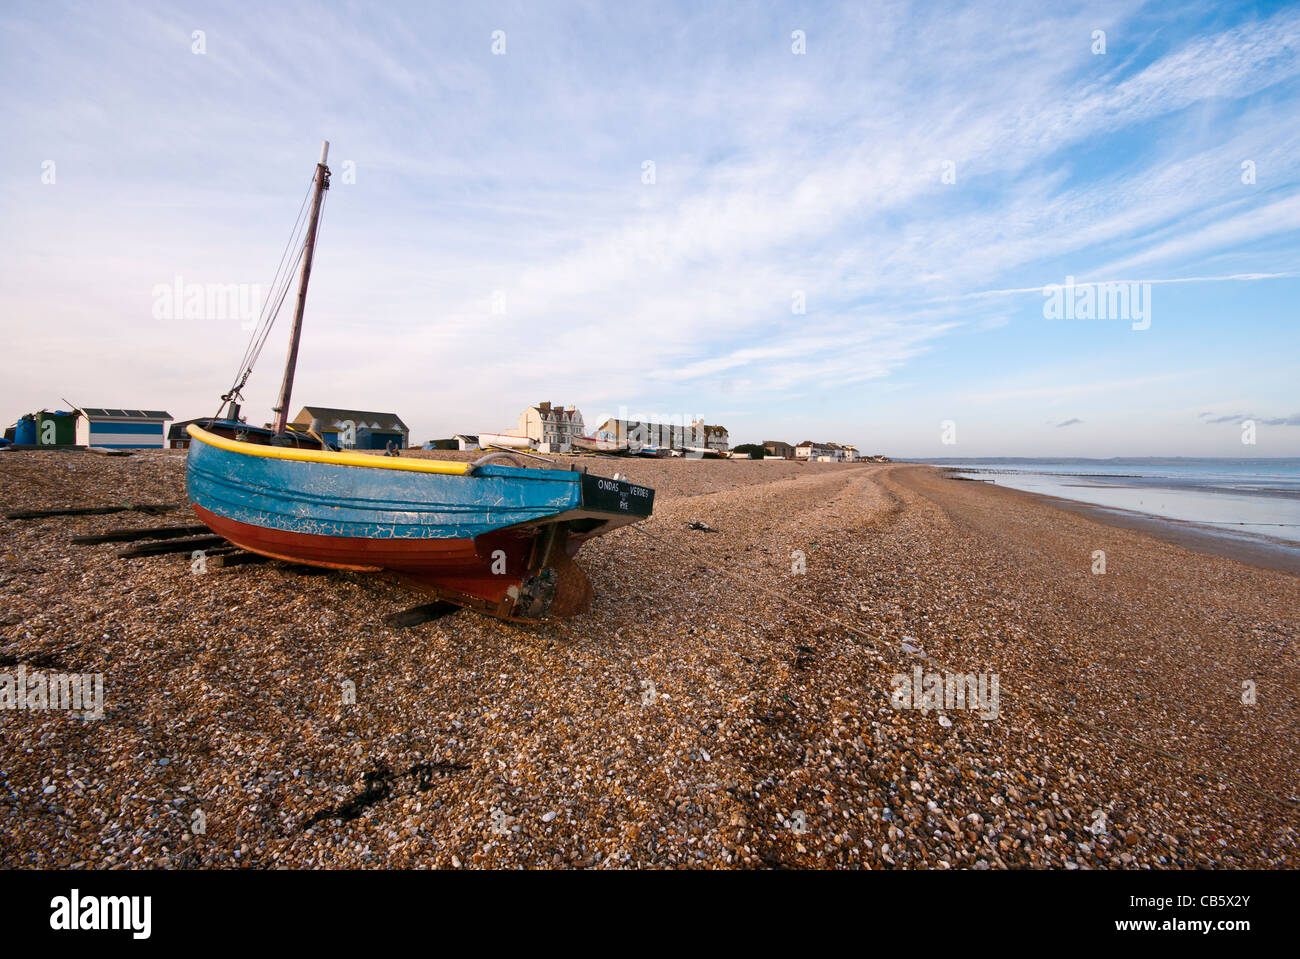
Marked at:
<point>1257,499</point>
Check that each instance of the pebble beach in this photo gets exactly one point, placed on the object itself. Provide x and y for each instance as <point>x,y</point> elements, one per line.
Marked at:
<point>726,703</point>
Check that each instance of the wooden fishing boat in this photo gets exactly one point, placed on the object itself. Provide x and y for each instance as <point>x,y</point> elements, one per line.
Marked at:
<point>493,536</point>
<point>505,441</point>
<point>701,453</point>
<point>595,444</point>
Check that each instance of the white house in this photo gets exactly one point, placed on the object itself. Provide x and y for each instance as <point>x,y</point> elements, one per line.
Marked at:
<point>550,427</point>
<point>811,452</point>
<point>715,437</point>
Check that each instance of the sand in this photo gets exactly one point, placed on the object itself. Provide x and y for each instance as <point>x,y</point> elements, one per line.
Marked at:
<point>724,704</point>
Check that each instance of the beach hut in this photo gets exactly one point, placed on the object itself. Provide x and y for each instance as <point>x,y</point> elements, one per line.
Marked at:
<point>353,429</point>
<point>123,429</point>
<point>56,428</point>
<point>44,428</point>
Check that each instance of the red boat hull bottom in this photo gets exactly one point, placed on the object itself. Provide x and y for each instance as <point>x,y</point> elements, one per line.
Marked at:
<point>485,573</point>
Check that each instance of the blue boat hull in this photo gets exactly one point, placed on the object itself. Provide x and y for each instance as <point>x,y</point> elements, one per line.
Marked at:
<point>481,537</point>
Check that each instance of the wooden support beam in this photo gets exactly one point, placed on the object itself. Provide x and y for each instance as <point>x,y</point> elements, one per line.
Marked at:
<point>131,535</point>
<point>172,546</point>
<point>150,508</point>
<point>421,614</point>
<point>213,551</point>
<point>236,558</point>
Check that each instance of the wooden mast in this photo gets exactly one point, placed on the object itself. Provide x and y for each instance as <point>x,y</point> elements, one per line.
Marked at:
<point>291,364</point>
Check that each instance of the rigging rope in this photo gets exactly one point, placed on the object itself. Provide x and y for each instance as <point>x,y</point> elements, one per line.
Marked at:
<point>276,280</point>
<point>279,289</point>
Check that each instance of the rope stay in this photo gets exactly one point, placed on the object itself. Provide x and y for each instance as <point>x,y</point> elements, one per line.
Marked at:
<point>281,282</point>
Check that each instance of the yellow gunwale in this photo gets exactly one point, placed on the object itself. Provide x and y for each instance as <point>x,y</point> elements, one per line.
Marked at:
<point>324,456</point>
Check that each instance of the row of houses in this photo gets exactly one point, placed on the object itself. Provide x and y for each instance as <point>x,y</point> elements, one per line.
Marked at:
<point>673,436</point>
<point>546,426</point>
<point>147,429</point>
<point>551,428</point>
<point>811,452</point>
<point>825,452</point>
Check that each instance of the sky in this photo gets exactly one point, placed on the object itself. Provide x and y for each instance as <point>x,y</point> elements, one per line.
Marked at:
<point>841,223</point>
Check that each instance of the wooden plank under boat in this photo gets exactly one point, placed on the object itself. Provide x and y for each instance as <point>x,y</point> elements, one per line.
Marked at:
<point>497,538</point>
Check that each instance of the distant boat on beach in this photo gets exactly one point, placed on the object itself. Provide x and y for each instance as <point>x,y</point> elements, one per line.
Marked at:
<point>596,444</point>
<point>505,441</point>
<point>702,452</point>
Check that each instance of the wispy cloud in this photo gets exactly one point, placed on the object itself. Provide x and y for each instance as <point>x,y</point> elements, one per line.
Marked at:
<point>1083,281</point>
<point>500,245</point>
<point>1292,420</point>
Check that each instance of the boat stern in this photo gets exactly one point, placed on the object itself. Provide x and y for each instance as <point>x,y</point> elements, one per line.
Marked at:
<point>622,502</point>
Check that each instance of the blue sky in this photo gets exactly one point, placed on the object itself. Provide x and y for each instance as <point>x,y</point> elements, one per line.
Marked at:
<point>521,176</point>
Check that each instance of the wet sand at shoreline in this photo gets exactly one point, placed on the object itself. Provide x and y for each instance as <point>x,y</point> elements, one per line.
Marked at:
<point>1252,550</point>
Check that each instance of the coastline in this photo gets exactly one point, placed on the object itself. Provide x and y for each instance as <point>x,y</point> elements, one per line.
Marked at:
<point>1252,549</point>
